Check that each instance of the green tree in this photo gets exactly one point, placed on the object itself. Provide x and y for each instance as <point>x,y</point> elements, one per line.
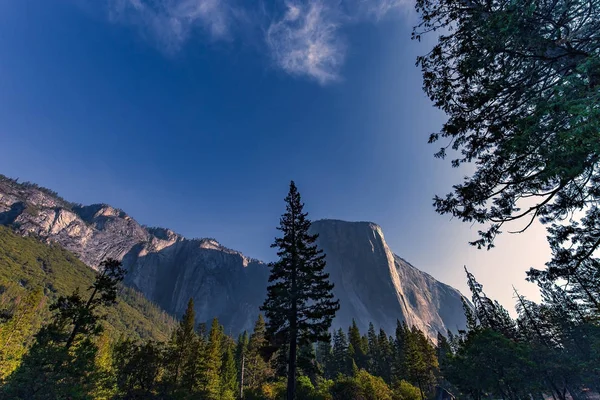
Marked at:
<point>307,362</point>
<point>241,350</point>
<point>386,357</point>
<point>211,380</point>
<point>61,362</point>
<point>256,369</point>
<point>324,355</point>
<point>374,352</point>
<point>487,363</point>
<point>356,349</point>
<point>519,82</point>
<point>194,360</point>
<point>300,305</point>
<point>138,369</point>
<point>228,372</point>
<point>18,329</point>
<point>362,386</point>
<point>400,342</point>
<point>181,347</point>
<point>340,361</point>
<point>405,391</point>
<point>420,361</point>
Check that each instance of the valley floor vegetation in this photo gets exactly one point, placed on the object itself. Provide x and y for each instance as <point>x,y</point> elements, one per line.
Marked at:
<point>549,351</point>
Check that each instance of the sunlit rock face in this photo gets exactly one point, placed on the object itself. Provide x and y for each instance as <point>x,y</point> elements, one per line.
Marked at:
<point>375,285</point>
<point>166,267</point>
<point>372,283</point>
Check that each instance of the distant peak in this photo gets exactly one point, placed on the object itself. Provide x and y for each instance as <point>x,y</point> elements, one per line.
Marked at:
<point>88,213</point>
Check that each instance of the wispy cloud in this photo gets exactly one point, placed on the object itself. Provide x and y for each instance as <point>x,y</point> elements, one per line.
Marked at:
<point>303,38</point>
<point>380,8</point>
<point>305,41</point>
<point>171,22</point>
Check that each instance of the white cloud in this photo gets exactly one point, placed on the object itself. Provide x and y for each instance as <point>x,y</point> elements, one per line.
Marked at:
<point>380,8</point>
<point>305,41</point>
<point>171,22</point>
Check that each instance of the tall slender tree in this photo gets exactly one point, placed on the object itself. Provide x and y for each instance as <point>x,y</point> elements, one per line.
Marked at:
<point>182,344</point>
<point>340,362</point>
<point>300,305</point>
<point>256,369</point>
<point>211,381</point>
<point>357,349</point>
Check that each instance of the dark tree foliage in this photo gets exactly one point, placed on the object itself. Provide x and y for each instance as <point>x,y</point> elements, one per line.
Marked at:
<point>520,83</point>
<point>386,355</point>
<point>357,350</point>
<point>340,360</point>
<point>181,349</point>
<point>138,367</point>
<point>257,369</point>
<point>488,313</point>
<point>300,305</point>
<point>324,355</point>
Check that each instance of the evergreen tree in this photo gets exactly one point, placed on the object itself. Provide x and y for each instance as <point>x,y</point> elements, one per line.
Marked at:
<point>300,305</point>
<point>374,352</point>
<point>241,349</point>
<point>18,329</point>
<point>356,348</point>
<point>307,363</point>
<point>137,369</point>
<point>195,363</point>
<point>241,354</point>
<point>340,361</point>
<point>489,314</point>
<point>398,369</point>
<point>420,361</point>
<point>228,372</point>
<point>324,354</point>
<point>256,369</point>
<point>61,362</point>
<point>281,360</point>
<point>182,347</point>
<point>386,356</point>
<point>211,380</point>
<point>519,82</point>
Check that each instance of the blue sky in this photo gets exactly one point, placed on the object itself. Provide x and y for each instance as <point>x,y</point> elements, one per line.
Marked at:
<point>195,115</point>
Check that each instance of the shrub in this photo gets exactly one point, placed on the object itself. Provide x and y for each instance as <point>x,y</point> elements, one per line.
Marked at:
<point>405,391</point>
<point>363,386</point>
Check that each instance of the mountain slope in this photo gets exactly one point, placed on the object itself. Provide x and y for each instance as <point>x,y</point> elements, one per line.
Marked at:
<point>372,283</point>
<point>166,267</point>
<point>28,265</point>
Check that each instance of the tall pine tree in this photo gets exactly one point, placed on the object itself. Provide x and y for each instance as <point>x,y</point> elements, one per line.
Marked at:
<point>300,305</point>
<point>182,344</point>
<point>211,380</point>
<point>256,369</point>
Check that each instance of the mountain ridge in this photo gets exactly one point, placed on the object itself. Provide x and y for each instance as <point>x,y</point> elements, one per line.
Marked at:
<point>169,268</point>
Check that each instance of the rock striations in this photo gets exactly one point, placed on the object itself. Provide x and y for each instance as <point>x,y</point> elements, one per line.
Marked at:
<point>372,283</point>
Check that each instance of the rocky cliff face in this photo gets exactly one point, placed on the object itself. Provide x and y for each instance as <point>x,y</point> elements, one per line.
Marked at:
<point>375,285</point>
<point>164,266</point>
<point>372,283</point>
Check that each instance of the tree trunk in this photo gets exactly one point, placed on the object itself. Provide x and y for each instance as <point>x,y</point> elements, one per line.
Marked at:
<point>421,390</point>
<point>242,377</point>
<point>291,383</point>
